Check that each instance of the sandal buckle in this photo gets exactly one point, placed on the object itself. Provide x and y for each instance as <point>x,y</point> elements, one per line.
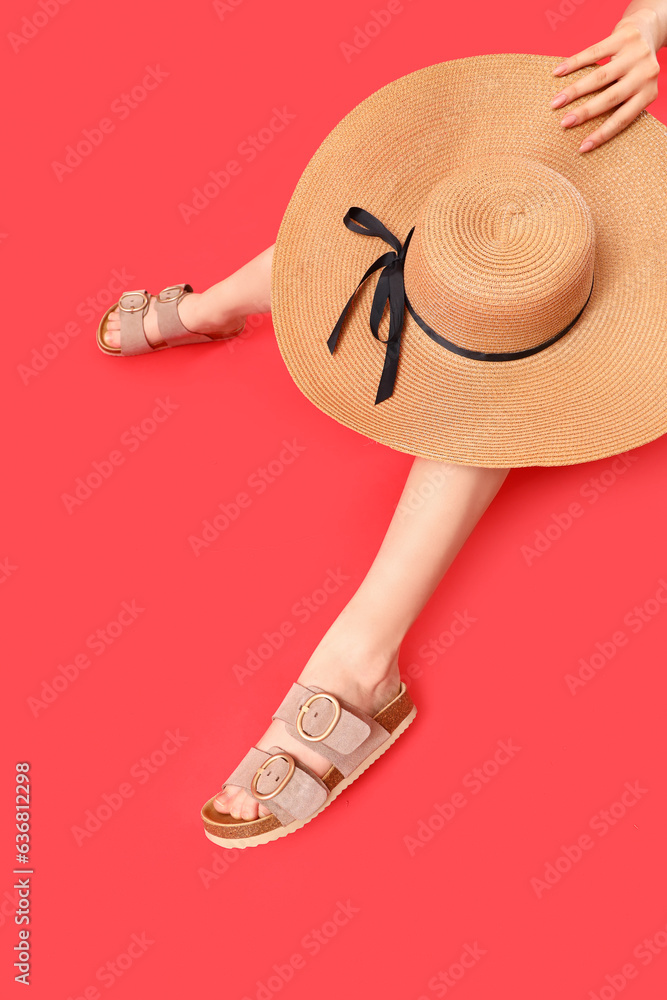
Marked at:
<point>134,309</point>
<point>306,706</point>
<point>179,291</point>
<point>276,756</point>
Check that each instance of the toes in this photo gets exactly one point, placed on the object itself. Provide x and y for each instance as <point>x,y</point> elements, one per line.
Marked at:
<point>111,335</point>
<point>249,807</point>
<point>237,803</point>
<point>221,801</point>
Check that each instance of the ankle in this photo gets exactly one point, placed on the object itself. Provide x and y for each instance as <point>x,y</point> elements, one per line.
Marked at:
<point>370,685</point>
<point>367,640</point>
<point>355,658</point>
<point>214,308</point>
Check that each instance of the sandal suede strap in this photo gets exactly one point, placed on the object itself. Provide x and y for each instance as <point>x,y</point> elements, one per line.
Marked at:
<point>301,796</point>
<point>132,336</point>
<point>169,322</point>
<point>353,738</point>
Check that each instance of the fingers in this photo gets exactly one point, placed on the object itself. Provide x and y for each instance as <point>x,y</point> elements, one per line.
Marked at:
<point>627,82</point>
<point>629,86</point>
<point>601,77</point>
<point>607,47</point>
<point>616,122</point>
<point>633,93</point>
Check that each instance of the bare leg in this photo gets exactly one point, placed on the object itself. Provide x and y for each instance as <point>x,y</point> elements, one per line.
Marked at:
<point>220,309</point>
<point>358,657</point>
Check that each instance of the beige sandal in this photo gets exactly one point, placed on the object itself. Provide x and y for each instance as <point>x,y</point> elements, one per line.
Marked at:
<point>346,736</point>
<point>133,307</point>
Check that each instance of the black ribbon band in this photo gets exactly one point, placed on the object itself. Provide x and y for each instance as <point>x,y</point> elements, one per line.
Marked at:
<point>391,288</point>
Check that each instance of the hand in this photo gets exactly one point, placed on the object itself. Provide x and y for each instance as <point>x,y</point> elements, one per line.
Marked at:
<point>633,65</point>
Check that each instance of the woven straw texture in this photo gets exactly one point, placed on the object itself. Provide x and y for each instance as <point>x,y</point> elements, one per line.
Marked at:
<point>511,222</point>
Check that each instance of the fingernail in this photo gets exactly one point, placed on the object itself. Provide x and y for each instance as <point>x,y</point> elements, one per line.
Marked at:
<point>559,100</point>
<point>568,120</point>
<point>585,146</point>
<point>559,69</point>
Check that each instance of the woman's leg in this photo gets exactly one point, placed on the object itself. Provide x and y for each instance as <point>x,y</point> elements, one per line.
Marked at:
<point>358,657</point>
<point>220,308</point>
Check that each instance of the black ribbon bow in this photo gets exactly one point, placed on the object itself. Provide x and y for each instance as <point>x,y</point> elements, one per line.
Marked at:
<point>389,289</point>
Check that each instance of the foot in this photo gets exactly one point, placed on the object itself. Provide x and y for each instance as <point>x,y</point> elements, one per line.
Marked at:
<point>199,313</point>
<point>369,683</point>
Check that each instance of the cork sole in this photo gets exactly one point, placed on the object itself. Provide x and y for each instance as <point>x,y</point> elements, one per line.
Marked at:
<point>284,831</point>
<point>115,351</point>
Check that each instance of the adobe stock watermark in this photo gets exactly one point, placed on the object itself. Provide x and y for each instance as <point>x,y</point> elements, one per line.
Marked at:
<point>645,952</point>
<point>111,802</point>
<point>98,642</point>
<point>87,310</point>
<point>311,945</point>
<point>635,620</point>
<point>254,322</point>
<point>565,9</point>
<point>110,972</point>
<point>591,491</point>
<point>131,439</point>
<point>7,570</point>
<point>257,483</point>
<point>221,862</point>
<point>301,611</point>
<point>8,906</point>
<point>444,980</point>
<point>474,781</point>
<point>415,498</point>
<point>600,824</point>
<point>32,24</point>
<point>121,107</point>
<point>224,7</point>
<point>247,151</point>
<point>378,21</point>
<point>431,651</point>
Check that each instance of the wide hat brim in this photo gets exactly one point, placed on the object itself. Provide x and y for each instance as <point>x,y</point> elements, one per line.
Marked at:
<point>596,392</point>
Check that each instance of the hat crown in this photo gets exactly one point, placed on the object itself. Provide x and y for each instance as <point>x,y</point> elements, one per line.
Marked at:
<point>502,254</point>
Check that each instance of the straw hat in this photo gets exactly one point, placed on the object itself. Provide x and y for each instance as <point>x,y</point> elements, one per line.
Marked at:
<point>526,282</point>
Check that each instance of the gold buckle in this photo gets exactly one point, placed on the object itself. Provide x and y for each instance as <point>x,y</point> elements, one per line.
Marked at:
<point>134,309</point>
<point>276,756</point>
<point>172,298</point>
<point>306,706</point>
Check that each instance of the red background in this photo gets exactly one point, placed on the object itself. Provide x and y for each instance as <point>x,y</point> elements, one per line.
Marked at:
<point>144,871</point>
